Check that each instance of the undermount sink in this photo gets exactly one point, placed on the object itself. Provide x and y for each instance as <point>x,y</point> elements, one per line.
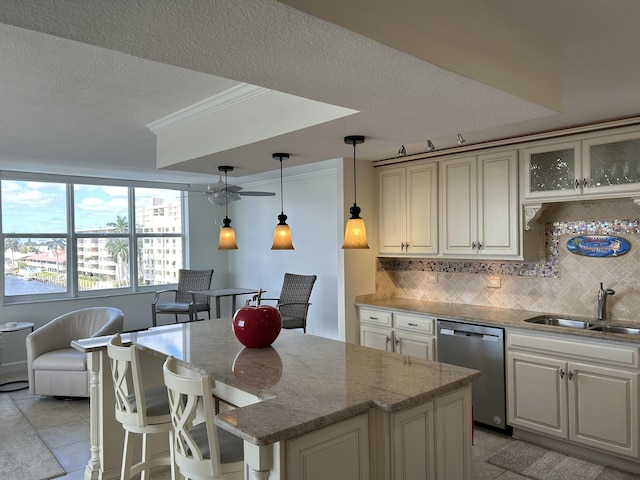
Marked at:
<point>559,321</point>
<point>568,322</point>
<point>616,329</point>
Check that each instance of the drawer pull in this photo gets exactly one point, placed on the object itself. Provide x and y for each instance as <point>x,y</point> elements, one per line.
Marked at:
<point>373,318</point>
<point>412,324</point>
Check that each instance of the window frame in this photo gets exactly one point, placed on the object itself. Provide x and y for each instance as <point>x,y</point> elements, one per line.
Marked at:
<point>71,236</point>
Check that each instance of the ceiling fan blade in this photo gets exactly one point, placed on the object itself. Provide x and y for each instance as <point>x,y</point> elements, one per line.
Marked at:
<point>257,194</point>
<point>232,188</point>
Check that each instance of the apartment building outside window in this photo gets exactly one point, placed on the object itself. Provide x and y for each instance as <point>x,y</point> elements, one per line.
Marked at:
<point>86,238</point>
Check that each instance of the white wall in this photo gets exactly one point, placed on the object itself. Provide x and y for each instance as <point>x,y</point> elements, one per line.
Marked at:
<point>310,203</point>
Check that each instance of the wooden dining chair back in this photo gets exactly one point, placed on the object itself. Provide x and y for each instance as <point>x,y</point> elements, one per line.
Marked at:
<point>183,302</point>
<point>293,302</point>
<point>201,450</point>
<point>139,410</point>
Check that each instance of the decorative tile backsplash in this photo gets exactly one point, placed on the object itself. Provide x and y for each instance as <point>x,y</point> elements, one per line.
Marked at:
<point>563,283</point>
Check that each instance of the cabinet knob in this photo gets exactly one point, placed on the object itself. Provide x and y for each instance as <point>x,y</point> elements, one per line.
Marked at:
<point>473,245</point>
<point>397,342</point>
<point>402,247</point>
<point>576,183</point>
<point>388,339</point>
<point>570,374</point>
<point>479,245</point>
<point>561,373</point>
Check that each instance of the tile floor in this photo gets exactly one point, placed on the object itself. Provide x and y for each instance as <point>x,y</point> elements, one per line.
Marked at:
<point>63,425</point>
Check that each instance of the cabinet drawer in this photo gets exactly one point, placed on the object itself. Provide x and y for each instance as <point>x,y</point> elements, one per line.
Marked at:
<point>375,317</point>
<point>588,350</point>
<point>414,323</point>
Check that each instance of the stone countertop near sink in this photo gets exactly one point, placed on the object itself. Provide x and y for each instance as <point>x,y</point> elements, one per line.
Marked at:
<point>302,382</point>
<point>502,317</point>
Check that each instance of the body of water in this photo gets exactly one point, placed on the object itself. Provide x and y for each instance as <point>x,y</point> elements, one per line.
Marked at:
<point>14,285</point>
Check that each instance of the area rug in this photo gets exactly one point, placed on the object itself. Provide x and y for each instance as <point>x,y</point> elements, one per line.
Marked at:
<point>540,463</point>
<point>22,454</point>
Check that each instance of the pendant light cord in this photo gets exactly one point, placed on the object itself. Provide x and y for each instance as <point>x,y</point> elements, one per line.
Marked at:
<point>281,195</point>
<point>226,192</point>
<point>354,173</point>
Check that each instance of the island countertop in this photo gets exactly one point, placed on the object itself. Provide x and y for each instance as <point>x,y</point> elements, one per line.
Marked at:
<point>303,382</point>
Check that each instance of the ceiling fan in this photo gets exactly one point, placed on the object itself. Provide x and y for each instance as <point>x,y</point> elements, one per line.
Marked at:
<point>219,192</point>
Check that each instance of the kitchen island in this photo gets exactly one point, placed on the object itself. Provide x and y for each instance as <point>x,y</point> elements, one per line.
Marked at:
<point>308,407</point>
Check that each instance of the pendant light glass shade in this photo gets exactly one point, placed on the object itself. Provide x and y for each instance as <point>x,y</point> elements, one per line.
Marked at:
<point>227,239</point>
<point>355,233</point>
<point>282,233</point>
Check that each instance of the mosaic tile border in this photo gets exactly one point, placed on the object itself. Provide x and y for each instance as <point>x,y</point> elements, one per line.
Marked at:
<point>548,268</point>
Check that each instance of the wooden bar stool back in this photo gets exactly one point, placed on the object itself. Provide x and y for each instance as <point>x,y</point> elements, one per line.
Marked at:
<point>139,410</point>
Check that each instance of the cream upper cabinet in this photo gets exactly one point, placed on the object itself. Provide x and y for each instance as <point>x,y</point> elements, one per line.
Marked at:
<point>409,210</point>
<point>603,166</point>
<point>479,206</point>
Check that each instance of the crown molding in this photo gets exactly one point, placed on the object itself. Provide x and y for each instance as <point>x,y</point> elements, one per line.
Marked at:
<point>240,93</point>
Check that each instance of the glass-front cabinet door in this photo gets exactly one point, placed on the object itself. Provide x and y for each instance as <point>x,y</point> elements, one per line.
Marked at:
<point>553,170</point>
<point>612,163</point>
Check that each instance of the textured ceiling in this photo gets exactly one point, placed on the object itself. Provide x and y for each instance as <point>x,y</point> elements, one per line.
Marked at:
<point>81,79</point>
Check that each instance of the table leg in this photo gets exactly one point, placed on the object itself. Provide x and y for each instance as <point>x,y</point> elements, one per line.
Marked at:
<point>217,307</point>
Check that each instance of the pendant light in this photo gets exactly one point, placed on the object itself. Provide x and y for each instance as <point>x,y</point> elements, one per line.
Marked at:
<point>355,234</point>
<point>282,233</point>
<point>227,239</point>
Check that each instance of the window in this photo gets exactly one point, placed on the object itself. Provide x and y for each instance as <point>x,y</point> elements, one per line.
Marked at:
<point>78,239</point>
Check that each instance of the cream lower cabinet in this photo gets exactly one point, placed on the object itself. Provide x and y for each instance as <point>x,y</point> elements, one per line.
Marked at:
<point>431,441</point>
<point>404,333</point>
<point>582,391</point>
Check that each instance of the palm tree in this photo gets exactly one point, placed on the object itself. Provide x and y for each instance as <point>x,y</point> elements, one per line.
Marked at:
<point>121,225</point>
<point>57,244</point>
<point>118,249</point>
<point>12,244</point>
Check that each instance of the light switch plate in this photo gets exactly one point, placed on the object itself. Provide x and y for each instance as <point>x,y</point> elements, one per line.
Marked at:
<point>494,282</point>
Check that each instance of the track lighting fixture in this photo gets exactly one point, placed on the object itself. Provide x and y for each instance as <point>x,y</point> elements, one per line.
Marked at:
<point>282,233</point>
<point>430,146</point>
<point>355,233</point>
<point>402,151</point>
<point>227,240</point>
<point>460,139</point>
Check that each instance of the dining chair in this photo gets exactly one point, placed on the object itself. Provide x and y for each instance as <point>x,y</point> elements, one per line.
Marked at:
<point>293,302</point>
<point>183,302</point>
<point>200,448</point>
<point>139,410</point>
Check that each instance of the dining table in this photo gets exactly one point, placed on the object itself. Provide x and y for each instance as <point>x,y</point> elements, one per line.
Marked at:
<point>218,293</point>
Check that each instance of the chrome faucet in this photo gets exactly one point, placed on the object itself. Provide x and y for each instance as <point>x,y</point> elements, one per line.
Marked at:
<point>602,301</point>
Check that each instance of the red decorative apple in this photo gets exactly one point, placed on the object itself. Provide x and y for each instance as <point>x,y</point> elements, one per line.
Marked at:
<point>257,327</point>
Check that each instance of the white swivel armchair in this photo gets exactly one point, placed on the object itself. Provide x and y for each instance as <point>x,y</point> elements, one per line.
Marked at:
<point>54,367</point>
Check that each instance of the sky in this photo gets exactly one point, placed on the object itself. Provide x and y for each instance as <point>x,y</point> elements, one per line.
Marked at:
<point>39,207</point>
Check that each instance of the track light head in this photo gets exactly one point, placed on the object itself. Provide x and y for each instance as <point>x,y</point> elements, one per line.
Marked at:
<point>460,139</point>
<point>430,146</point>
<point>402,151</point>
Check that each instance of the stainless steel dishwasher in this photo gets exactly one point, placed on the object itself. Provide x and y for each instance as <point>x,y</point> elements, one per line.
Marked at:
<point>480,348</point>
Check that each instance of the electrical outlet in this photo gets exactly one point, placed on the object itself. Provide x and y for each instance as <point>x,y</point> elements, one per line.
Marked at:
<point>432,278</point>
<point>494,282</point>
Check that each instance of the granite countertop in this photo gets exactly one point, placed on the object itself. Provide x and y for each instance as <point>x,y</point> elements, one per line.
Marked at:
<point>502,317</point>
<point>304,382</point>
